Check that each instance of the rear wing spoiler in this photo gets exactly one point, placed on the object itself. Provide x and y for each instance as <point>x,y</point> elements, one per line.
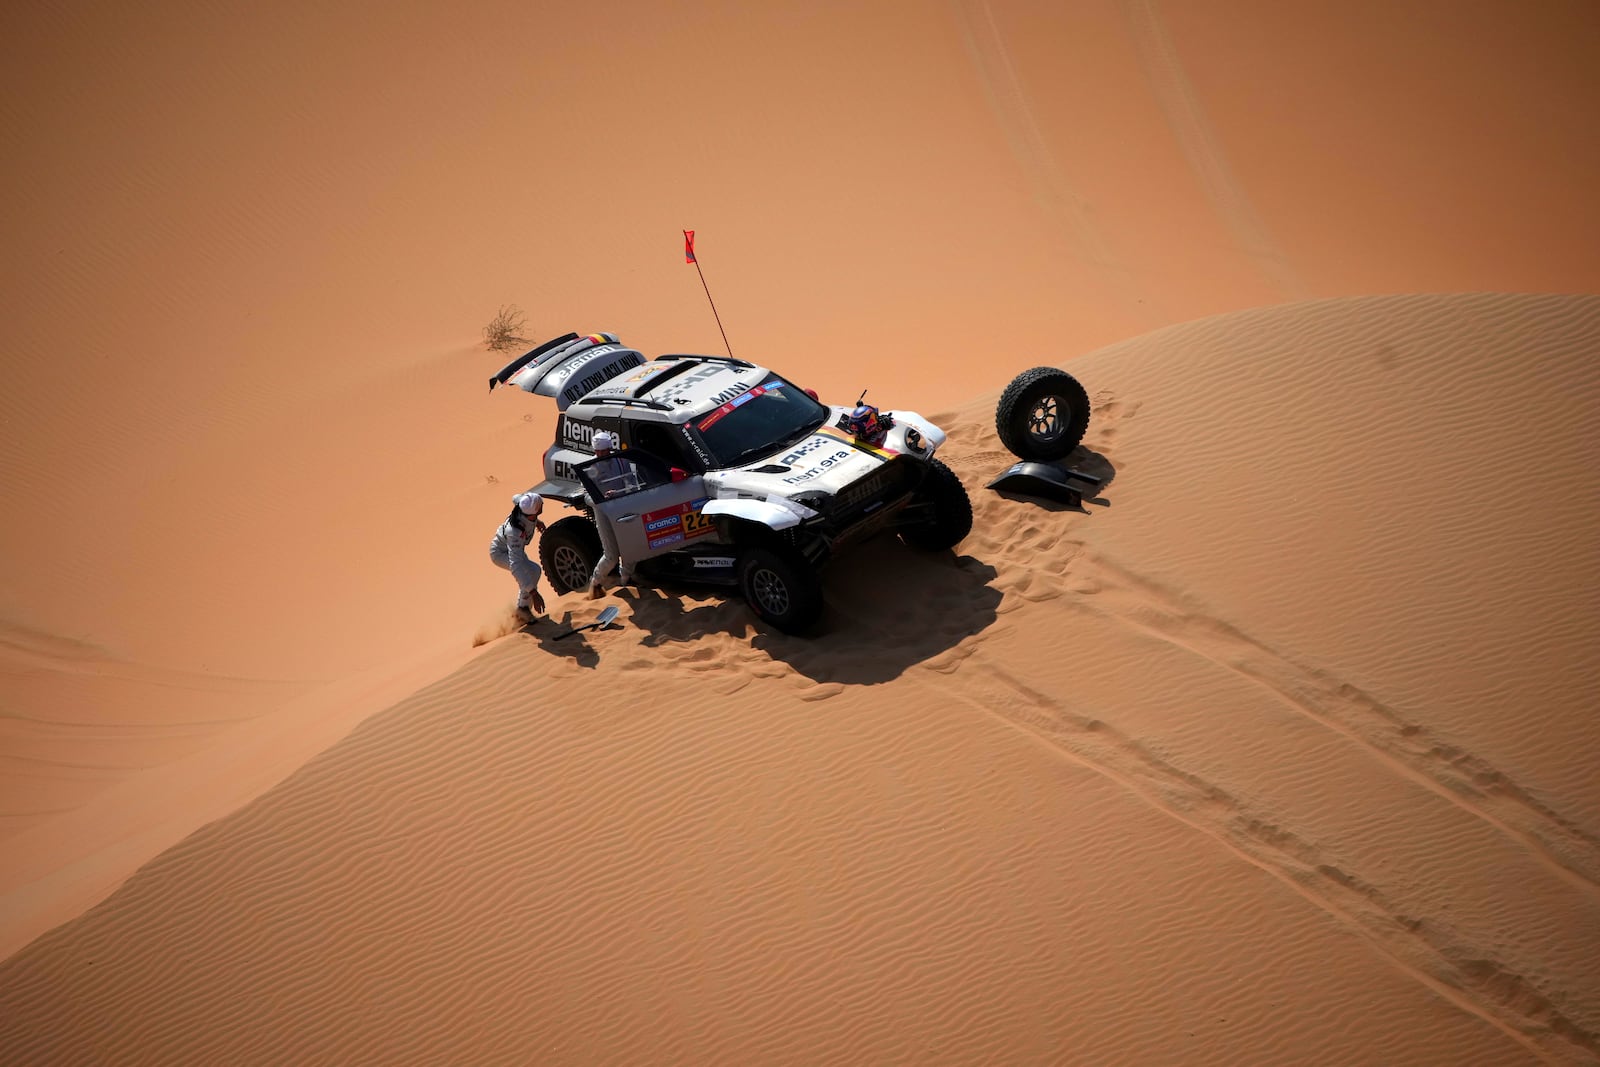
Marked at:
<point>569,366</point>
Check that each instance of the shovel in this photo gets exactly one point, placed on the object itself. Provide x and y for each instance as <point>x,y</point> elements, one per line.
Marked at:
<point>607,617</point>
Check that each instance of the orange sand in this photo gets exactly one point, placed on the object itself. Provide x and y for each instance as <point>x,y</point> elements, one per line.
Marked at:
<point>1281,751</point>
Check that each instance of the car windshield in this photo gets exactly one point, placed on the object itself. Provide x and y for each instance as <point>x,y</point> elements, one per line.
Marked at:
<point>757,423</point>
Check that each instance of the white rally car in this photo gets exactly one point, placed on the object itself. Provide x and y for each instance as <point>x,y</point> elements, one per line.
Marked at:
<point>732,474</point>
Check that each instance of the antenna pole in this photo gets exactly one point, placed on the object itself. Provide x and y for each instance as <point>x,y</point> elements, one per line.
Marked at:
<point>689,256</point>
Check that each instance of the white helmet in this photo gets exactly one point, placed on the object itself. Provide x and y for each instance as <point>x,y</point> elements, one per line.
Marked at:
<point>530,503</point>
<point>604,440</point>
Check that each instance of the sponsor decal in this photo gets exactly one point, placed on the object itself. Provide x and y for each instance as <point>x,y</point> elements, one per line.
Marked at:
<point>662,523</point>
<point>565,470</point>
<point>678,522</point>
<point>821,467</point>
<point>811,445</point>
<point>734,397</point>
<point>576,434</point>
<point>698,524</point>
<point>572,392</point>
<point>560,374</point>
<point>703,562</point>
<point>697,521</point>
<point>699,450</point>
<point>863,489</point>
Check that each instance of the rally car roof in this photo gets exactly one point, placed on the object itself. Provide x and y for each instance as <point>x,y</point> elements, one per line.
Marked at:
<point>597,370</point>
<point>679,387</point>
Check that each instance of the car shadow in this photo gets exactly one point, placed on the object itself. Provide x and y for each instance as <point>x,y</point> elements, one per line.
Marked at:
<point>887,607</point>
<point>1082,460</point>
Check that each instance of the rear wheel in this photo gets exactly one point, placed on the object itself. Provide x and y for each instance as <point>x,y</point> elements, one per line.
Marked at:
<point>943,513</point>
<point>781,587</point>
<point>569,550</point>
<point>1043,414</point>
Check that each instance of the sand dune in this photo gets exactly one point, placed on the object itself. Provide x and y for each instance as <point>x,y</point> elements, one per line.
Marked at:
<point>1278,751</point>
<point>1081,765</point>
<point>77,721</point>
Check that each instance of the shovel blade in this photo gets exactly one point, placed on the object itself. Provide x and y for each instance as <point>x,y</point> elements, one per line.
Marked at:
<point>606,617</point>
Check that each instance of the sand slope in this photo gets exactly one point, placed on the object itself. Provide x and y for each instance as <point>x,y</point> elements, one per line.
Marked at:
<point>1105,786</point>
<point>1281,752</point>
<point>247,259</point>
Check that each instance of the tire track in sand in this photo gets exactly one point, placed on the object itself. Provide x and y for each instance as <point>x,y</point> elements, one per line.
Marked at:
<point>1451,772</point>
<point>1094,584</point>
<point>1054,188</point>
<point>1463,975</point>
<point>1175,95</point>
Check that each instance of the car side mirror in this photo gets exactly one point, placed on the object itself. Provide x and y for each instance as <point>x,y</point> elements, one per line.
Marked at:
<point>679,474</point>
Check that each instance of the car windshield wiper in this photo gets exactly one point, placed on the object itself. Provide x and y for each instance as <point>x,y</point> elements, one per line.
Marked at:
<point>752,452</point>
<point>779,444</point>
<point>801,434</point>
<point>794,439</point>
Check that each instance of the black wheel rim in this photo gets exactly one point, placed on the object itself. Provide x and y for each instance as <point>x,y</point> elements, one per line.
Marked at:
<point>1045,421</point>
<point>770,591</point>
<point>570,567</point>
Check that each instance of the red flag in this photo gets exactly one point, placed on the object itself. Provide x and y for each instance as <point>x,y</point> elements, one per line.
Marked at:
<point>688,246</point>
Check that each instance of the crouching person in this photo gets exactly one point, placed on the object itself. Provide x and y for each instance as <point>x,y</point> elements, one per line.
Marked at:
<point>509,551</point>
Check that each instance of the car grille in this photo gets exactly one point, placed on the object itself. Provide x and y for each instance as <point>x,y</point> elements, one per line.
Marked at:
<point>886,486</point>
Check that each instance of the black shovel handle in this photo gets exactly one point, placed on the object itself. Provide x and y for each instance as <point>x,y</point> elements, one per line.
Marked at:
<point>575,629</point>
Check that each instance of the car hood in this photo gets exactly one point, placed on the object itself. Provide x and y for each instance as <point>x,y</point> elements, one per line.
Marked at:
<point>826,460</point>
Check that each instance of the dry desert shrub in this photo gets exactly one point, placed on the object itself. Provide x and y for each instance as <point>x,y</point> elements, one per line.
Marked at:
<point>504,331</point>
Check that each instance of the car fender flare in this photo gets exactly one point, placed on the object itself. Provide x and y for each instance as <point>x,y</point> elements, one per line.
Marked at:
<point>769,513</point>
<point>931,434</point>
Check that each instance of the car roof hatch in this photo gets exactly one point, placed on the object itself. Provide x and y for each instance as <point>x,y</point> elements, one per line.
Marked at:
<point>568,367</point>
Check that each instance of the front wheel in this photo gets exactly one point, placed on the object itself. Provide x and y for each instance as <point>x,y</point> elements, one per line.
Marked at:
<point>569,550</point>
<point>943,513</point>
<point>782,588</point>
<point>1043,414</point>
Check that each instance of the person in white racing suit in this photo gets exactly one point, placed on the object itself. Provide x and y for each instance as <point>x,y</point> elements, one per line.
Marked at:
<point>509,551</point>
<point>614,476</point>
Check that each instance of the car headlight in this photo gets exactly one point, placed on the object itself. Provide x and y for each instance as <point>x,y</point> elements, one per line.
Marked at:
<point>815,500</point>
<point>914,439</point>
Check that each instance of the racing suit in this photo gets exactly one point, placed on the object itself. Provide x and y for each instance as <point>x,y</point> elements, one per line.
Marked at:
<point>615,476</point>
<point>509,551</point>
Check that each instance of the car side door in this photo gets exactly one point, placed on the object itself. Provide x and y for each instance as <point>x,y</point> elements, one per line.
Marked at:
<point>650,513</point>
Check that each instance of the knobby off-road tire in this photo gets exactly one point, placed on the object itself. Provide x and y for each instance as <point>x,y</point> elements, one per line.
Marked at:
<point>944,514</point>
<point>781,587</point>
<point>1043,414</point>
<point>568,551</point>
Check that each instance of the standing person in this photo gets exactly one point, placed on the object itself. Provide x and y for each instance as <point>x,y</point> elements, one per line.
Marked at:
<point>509,551</point>
<point>610,473</point>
